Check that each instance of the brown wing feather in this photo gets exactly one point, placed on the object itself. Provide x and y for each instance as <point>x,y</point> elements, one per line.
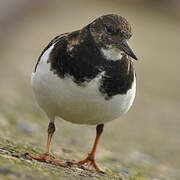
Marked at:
<point>50,44</point>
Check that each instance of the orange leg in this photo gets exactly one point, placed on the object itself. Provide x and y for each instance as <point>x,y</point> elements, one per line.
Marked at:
<point>47,157</point>
<point>90,160</point>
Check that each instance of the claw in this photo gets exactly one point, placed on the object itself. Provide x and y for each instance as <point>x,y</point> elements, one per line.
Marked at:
<point>69,164</point>
<point>90,161</point>
<point>48,159</point>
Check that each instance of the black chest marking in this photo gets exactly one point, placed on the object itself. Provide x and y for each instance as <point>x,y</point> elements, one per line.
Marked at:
<point>79,58</point>
<point>71,57</point>
<point>118,78</point>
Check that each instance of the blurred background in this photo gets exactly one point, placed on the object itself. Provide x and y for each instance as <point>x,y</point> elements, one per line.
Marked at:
<point>149,133</point>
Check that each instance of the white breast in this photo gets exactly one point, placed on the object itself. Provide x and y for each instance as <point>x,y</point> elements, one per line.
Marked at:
<point>82,105</point>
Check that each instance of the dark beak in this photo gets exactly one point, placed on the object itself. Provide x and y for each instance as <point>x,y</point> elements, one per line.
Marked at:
<point>126,48</point>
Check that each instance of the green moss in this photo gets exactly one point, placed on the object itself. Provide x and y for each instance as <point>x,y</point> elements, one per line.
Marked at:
<point>13,164</point>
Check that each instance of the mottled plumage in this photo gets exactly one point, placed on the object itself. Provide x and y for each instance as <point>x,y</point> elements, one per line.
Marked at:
<point>78,55</point>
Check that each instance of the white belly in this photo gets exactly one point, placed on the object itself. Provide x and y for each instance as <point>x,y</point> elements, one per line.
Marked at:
<point>81,105</point>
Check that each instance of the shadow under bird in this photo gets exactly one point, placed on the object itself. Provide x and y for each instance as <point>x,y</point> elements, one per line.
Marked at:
<point>86,77</point>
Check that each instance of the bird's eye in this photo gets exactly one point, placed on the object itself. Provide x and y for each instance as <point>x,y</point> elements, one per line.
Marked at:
<point>110,30</point>
<point>122,33</point>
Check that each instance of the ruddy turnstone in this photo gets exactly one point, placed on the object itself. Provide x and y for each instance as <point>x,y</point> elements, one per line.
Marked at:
<point>86,77</point>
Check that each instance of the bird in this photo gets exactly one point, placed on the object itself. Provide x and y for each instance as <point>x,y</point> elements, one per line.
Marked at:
<point>86,77</point>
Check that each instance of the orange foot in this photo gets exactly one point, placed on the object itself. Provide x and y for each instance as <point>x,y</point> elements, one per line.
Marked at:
<point>90,161</point>
<point>47,158</point>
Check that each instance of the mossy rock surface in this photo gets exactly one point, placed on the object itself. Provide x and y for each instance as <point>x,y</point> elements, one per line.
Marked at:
<point>15,164</point>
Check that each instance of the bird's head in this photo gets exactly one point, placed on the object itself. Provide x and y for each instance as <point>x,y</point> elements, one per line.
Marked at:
<point>111,34</point>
